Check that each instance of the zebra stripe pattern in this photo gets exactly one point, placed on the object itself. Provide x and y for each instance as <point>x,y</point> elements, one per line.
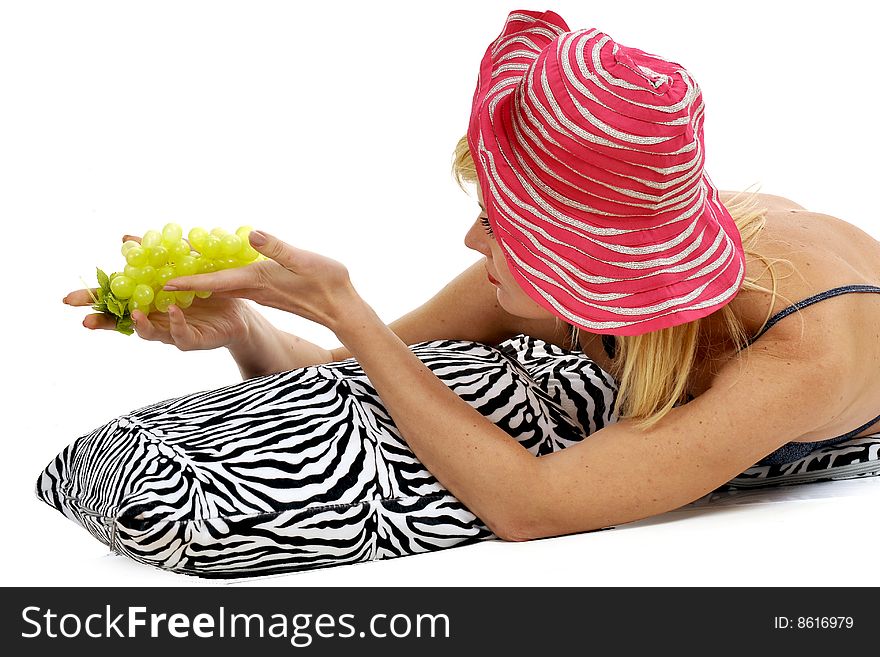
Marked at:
<point>305,469</point>
<point>590,157</point>
<point>855,458</point>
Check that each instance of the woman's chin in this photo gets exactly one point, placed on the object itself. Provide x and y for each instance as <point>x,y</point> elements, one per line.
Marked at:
<point>510,305</point>
<point>519,305</point>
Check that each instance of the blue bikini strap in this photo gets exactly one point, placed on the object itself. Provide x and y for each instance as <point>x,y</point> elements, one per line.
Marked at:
<point>833,292</point>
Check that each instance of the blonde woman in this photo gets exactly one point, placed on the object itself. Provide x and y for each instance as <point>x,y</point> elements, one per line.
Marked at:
<point>599,230</point>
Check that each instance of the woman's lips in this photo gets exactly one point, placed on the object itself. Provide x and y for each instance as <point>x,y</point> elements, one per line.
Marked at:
<point>492,280</point>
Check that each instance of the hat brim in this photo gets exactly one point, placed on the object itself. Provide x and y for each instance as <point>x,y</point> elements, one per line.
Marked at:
<point>556,261</point>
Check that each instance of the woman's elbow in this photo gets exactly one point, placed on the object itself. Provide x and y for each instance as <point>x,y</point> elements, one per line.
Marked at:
<point>514,536</point>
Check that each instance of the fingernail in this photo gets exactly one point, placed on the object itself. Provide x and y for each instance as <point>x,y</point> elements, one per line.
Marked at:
<point>64,300</point>
<point>170,288</point>
<point>257,238</point>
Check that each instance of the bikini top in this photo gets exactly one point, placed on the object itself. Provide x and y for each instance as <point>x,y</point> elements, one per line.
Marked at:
<point>608,342</point>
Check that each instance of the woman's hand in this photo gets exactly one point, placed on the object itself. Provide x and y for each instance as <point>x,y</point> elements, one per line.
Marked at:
<point>207,324</point>
<point>301,282</point>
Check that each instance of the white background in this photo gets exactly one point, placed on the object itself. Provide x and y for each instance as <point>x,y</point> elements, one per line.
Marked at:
<point>332,124</point>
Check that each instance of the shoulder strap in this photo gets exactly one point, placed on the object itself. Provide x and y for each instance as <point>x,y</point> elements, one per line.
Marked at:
<point>803,303</point>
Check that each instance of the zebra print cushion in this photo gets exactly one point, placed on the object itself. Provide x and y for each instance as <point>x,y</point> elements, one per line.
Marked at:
<point>850,459</point>
<point>305,469</point>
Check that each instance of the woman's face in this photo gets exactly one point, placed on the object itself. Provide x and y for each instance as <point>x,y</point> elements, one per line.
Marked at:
<point>509,294</point>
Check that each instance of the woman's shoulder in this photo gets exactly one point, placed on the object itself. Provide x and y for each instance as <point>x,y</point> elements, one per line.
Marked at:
<point>838,332</point>
<point>810,252</point>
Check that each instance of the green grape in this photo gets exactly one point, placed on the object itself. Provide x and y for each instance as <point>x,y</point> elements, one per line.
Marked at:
<point>243,232</point>
<point>132,272</point>
<point>134,305</point>
<point>122,286</point>
<point>211,247</point>
<point>230,245</point>
<point>197,238</point>
<point>247,254</point>
<point>136,256</point>
<point>163,275</point>
<point>205,265</point>
<point>128,244</point>
<point>184,298</point>
<point>178,250</point>
<point>143,295</point>
<point>151,238</point>
<point>163,299</point>
<point>145,275</point>
<point>187,266</point>
<point>164,255</point>
<point>171,234</point>
<point>157,255</point>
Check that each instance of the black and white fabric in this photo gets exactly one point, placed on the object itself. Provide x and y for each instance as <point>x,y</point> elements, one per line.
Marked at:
<point>305,469</point>
<point>851,459</point>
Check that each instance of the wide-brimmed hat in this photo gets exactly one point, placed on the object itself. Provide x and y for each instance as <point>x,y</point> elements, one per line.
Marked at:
<point>590,159</point>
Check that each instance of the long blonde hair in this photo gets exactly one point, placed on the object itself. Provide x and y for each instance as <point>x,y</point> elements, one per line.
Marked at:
<point>653,369</point>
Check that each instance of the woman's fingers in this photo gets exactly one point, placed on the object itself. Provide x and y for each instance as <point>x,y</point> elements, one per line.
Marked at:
<point>81,297</point>
<point>86,297</point>
<point>148,330</point>
<point>225,294</point>
<point>225,280</point>
<point>99,321</point>
<point>143,326</point>
<point>182,333</point>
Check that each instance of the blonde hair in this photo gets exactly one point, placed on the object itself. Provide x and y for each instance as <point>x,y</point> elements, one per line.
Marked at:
<point>653,369</point>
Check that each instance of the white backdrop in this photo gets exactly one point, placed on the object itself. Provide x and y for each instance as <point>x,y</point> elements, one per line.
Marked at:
<point>332,125</point>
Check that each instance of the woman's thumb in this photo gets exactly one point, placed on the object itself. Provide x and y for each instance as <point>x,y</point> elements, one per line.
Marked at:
<point>272,247</point>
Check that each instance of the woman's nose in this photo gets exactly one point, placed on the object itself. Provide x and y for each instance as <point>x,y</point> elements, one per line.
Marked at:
<point>477,240</point>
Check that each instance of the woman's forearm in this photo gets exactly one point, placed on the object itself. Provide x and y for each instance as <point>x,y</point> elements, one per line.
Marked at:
<point>268,350</point>
<point>476,460</point>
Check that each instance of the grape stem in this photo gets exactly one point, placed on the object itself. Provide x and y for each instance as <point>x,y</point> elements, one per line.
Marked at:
<point>88,289</point>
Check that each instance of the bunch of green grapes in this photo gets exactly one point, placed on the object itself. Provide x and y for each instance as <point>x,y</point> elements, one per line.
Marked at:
<point>161,256</point>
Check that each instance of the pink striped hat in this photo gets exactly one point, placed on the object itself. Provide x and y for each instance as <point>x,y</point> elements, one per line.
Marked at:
<point>590,159</point>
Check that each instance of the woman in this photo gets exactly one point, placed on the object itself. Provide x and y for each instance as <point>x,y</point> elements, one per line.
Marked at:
<point>597,214</point>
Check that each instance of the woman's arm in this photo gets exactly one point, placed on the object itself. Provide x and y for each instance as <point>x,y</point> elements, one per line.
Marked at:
<point>267,350</point>
<point>465,309</point>
<point>757,403</point>
<point>472,457</point>
<point>776,391</point>
<point>775,395</point>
